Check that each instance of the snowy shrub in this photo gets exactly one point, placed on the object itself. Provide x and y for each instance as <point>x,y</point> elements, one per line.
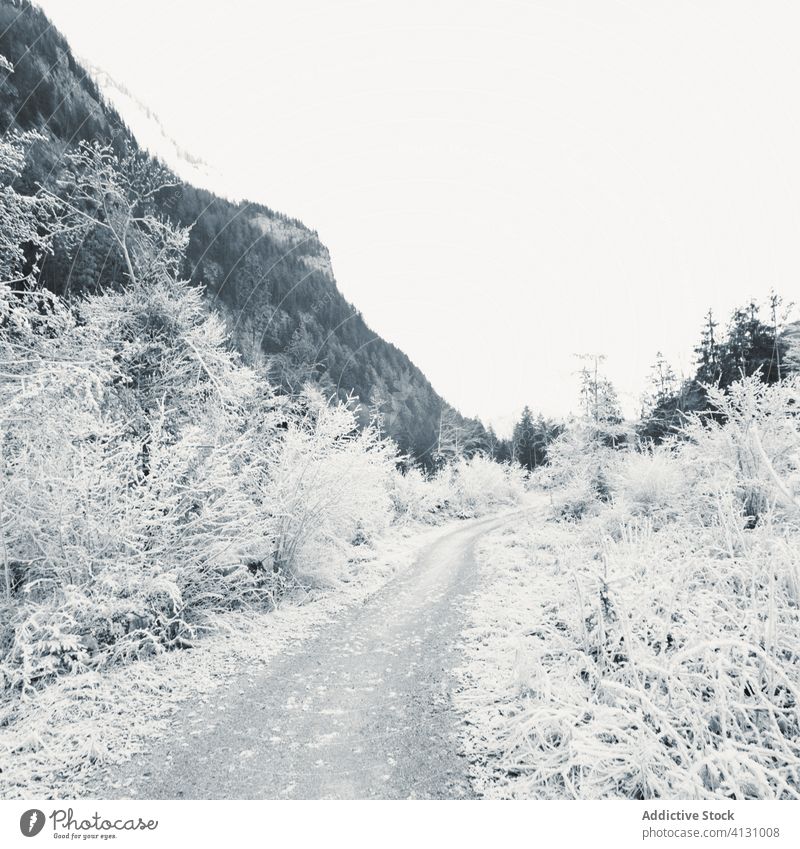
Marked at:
<point>575,500</point>
<point>472,487</point>
<point>654,666</point>
<point>753,452</point>
<point>115,537</point>
<point>463,488</point>
<point>415,497</point>
<point>648,483</point>
<point>325,488</point>
<point>578,471</point>
<point>26,221</point>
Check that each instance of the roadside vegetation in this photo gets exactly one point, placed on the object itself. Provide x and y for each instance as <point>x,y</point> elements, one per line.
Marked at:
<point>178,463</point>
<point>639,637</point>
<point>151,480</point>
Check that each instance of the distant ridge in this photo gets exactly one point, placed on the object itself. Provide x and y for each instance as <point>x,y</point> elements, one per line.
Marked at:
<point>270,275</point>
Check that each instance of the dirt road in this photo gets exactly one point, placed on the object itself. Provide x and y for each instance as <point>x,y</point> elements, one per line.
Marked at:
<point>361,710</point>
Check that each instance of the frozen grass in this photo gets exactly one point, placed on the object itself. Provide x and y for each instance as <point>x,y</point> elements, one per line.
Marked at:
<point>607,659</point>
<point>55,740</point>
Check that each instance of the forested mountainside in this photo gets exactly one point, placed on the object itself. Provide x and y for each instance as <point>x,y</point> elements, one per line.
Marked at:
<point>269,275</point>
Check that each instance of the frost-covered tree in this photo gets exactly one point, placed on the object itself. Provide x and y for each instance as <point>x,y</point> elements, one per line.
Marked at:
<point>457,437</point>
<point>27,222</point>
<point>599,403</point>
<point>99,189</point>
<point>129,478</point>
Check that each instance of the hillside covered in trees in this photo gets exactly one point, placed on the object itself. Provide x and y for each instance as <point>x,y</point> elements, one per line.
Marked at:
<point>268,275</point>
<point>204,454</point>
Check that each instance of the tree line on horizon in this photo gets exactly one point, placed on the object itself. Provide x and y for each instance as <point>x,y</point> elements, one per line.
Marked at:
<point>757,340</point>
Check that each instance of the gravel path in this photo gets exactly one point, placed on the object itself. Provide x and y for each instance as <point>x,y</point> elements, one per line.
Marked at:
<point>361,710</point>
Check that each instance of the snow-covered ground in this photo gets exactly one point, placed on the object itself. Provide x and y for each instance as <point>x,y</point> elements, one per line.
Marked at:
<point>617,658</point>
<point>500,612</point>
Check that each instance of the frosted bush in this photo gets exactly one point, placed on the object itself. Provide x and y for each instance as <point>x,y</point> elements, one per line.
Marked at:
<point>653,666</point>
<point>122,525</point>
<point>648,483</point>
<point>464,488</point>
<point>414,496</point>
<point>325,487</point>
<point>752,453</point>
<point>575,500</point>
<point>473,487</point>
<point>578,469</point>
<point>89,540</point>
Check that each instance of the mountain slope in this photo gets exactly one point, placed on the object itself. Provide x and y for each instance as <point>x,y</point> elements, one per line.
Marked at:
<point>269,275</point>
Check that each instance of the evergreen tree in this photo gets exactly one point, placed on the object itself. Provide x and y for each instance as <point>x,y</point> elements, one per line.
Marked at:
<point>663,380</point>
<point>751,347</point>
<point>531,438</point>
<point>524,440</point>
<point>707,352</point>
<point>664,401</point>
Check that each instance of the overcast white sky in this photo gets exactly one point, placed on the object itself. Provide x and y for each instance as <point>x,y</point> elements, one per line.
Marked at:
<point>501,184</point>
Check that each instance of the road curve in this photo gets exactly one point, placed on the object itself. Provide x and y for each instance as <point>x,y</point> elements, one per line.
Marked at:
<point>361,710</point>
